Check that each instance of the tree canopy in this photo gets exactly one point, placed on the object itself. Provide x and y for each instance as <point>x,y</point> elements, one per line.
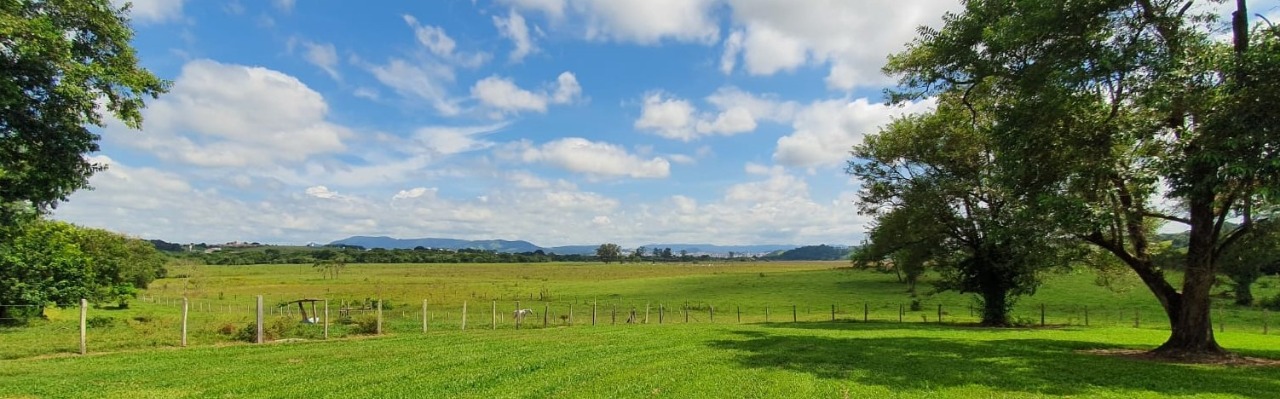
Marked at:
<point>65,63</point>
<point>1104,108</point>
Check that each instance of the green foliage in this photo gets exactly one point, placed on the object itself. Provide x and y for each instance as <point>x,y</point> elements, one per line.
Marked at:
<point>609,252</point>
<point>50,262</point>
<point>63,62</point>
<point>1245,261</point>
<point>812,252</point>
<point>100,322</point>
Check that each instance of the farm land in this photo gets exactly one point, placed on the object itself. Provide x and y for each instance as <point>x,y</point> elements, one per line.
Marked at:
<point>726,348</point>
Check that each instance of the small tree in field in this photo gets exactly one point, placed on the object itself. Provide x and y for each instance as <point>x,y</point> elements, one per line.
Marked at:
<point>609,253</point>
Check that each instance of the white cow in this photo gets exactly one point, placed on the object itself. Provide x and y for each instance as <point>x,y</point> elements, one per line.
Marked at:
<point>520,314</point>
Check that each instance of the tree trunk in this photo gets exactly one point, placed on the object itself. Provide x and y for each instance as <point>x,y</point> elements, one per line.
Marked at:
<point>1192,335</point>
<point>995,306</point>
<point>1244,293</point>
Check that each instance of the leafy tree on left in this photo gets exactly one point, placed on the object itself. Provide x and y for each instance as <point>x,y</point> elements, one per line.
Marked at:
<point>67,64</point>
<point>64,63</point>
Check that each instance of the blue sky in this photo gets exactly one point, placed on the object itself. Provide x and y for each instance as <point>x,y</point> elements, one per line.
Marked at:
<point>554,121</point>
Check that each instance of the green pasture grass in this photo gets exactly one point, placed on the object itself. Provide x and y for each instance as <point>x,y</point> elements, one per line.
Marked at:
<point>773,360</point>
<point>222,299</point>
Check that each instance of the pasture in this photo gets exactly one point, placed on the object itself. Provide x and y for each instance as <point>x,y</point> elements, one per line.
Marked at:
<point>133,351</point>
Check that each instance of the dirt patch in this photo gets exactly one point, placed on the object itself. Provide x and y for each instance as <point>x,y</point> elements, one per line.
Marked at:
<point>1230,360</point>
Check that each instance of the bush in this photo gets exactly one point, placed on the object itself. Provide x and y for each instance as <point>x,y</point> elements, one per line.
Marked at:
<point>1272,303</point>
<point>366,324</point>
<point>227,329</point>
<point>100,322</point>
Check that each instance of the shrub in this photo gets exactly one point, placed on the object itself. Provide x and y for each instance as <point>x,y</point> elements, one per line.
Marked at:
<point>227,329</point>
<point>366,324</point>
<point>100,322</point>
<point>1272,303</point>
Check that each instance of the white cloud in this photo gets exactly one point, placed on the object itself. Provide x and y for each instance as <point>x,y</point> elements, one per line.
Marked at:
<point>284,5</point>
<point>152,11</point>
<point>595,159</point>
<point>825,131</point>
<point>416,192</point>
<point>852,37</point>
<point>513,27</point>
<point>220,115</point>
<point>323,55</point>
<point>732,47</point>
<point>453,140</point>
<point>426,82</point>
<point>503,95</point>
<point>435,39</point>
<point>678,119</point>
<point>321,192</point>
<point>368,93</point>
<point>642,22</point>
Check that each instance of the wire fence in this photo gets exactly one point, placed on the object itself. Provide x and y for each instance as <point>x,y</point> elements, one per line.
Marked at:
<point>164,322</point>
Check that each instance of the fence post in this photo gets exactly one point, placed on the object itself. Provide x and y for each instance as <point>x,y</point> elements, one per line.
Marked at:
<point>185,306</point>
<point>1086,315</point>
<point>833,312</point>
<point>593,313</point>
<point>379,316</point>
<point>613,314</point>
<point>521,317</point>
<point>712,310</point>
<point>84,316</point>
<point>686,312</point>
<point>901,311</point>
<point>866,312</point>
<point>326,318</point>
<point>546,309</point>
<point>259,336</point>
<point>1042,314</point>
<point>739,313</point>
<point>494,312</point>
<point>424,315</point>
<point>793,313</point>
<point>661,307</point>
<point>646,313</point>
<point>766,313</point>
<point>939,313</point>
<point>464,315</point>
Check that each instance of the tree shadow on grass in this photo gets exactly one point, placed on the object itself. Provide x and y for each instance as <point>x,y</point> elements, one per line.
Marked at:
<point>1036,366</point>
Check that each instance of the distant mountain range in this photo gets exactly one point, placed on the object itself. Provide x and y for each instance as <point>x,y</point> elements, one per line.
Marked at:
<point>525,246</point>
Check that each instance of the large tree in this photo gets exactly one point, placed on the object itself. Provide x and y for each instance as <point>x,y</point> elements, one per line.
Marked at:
<point>1105,106</point>
<point>609,252</point>
<point>933,183</point>
<point>65,63</point>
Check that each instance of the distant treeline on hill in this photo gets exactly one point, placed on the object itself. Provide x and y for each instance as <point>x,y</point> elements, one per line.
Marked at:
<point>355,254</point>
<point>813,252</point>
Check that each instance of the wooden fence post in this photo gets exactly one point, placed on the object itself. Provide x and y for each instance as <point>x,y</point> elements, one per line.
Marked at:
<point>833,312</point>
<point>260,309</point>
<point>613,314</point>
<point>84,319</point>
<point>646,313</point>
<point>686,312</point>
<point>866,312</point>
<point>521,318</point>
<point>494,325</point>
<point>379,316</point>
<point>546,308</point>
<point>424,315</point>
<point>661,307</point>
<point>766,313</point>
<point>901,311</point>
<point>464,315</point>
<point>939,313</point>
<point>326,319</point>
<point>185,306</point>
<point>739,313</point>
<point>793,313</point>
<point>571,314</point>
<point>593,313</point>
<point>712,310</point>
<point>1042,314</point>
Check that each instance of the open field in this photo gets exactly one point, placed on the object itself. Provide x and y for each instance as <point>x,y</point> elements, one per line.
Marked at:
<point>134,353</point>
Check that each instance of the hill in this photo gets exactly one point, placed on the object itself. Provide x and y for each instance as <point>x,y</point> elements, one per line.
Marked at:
<point>813,252</point>
<point>440,243</point>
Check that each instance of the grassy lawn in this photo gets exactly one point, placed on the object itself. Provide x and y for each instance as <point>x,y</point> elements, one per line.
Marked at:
<point>813,359</point>
<point>133,352</point>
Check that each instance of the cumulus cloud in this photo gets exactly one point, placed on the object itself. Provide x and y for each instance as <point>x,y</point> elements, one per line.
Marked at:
<point>595,159</point>
<point>738,112</point>
<point>232,115</point>
<point>321,192</point>
<point>852,37</point>
<point>825,131</point>
<point>502,94</point>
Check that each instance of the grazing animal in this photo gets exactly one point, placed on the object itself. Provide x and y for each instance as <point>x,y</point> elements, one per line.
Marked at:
<point>520,314</point>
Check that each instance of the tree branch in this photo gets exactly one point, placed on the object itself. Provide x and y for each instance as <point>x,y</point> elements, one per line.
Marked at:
<point>1167,217</point>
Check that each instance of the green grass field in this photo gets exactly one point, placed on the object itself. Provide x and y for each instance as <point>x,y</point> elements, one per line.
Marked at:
<point>135,354</point>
